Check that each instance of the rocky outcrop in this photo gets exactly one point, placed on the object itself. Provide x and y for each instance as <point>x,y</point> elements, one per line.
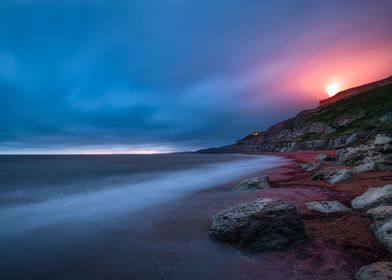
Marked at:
<point>375,271</point>
<point>373,197</point>
<point>354,156</point>
<point>347,119</point>
<point>253,184</point>
<point>340,123</point>
<point>378,203</point>
<point>263,224</point>
<point>329,174</point>
<point>327,206</point>
<point>367,158</point>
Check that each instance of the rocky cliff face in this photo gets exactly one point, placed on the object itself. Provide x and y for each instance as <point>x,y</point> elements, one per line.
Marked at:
<point>352,118</point>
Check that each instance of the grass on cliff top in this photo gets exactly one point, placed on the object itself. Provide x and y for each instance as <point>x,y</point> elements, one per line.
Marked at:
<point>374,104</point>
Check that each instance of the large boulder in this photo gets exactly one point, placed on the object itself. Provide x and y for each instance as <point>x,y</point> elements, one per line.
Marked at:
<point>375,271</point>
<point>339,176</point>
<point>263,224</point>
<point>373,197</point>
<point>327,206</point>
<point>253,184</point>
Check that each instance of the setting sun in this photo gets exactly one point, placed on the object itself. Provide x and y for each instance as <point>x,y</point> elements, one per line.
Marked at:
<point>332,89</point>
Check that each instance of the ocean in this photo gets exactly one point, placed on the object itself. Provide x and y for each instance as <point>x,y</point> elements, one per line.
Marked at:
<point>52,203</point>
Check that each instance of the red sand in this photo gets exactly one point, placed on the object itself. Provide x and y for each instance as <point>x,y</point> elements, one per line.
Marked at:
<point>177,245</point>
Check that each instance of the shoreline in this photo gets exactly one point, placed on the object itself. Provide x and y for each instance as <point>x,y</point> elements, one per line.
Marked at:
<point>337,245</point>
<point>171,240</point>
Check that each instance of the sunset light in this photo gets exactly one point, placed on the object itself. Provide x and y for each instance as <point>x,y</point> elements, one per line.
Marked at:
<point>195,139</point>
<point>332,89</point>
<point>124,152</point>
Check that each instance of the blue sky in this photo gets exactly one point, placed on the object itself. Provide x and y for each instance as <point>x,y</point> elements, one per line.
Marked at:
<point>85,76</point>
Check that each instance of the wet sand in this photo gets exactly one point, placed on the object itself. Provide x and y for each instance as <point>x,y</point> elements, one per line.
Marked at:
<point>337,246</point>
<point>171,241</point>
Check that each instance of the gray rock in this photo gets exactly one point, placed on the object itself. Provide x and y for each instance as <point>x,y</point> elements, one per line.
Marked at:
<point>375,271</point>
<point>346,119</point>
<point>382,224</point>
<point>253,184</point>
<point>325,157</point>
<point>370,157</point>
<point>365,167</point>
<point>353,156</point>
<point>347,140</point>
<point>327,206</point>
<point>298,130</point>
<point>382,139</point>
<point>339,176</point>
<point>357,159</point>
<point>373,197</point>
<point>380,215</point>
<point>309,166</point>
<point>340,153</point>
<point>263,224</point>
<point>384,235</point>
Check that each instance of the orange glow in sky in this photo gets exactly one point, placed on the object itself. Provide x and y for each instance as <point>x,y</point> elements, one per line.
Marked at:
<point>323,76</point>
<point>309,77</point>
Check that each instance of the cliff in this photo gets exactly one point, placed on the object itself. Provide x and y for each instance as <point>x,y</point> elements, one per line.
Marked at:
<point>350,118</point>
<point>363,89</point>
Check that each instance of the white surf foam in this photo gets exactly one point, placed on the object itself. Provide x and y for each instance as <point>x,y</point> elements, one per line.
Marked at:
<point>113,201</point>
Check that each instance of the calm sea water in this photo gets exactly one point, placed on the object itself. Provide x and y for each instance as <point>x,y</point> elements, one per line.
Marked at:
<point>53,198</point>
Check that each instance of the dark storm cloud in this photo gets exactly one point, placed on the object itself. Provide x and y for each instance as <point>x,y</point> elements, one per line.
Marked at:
<point>177,73</point>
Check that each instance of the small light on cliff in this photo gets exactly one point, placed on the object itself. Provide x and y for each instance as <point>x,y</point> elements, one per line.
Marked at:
<point>332,89</point>
<point>255,133</point>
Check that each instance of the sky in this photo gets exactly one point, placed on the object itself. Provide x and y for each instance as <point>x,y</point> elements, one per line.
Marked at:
<point>123,76</point>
